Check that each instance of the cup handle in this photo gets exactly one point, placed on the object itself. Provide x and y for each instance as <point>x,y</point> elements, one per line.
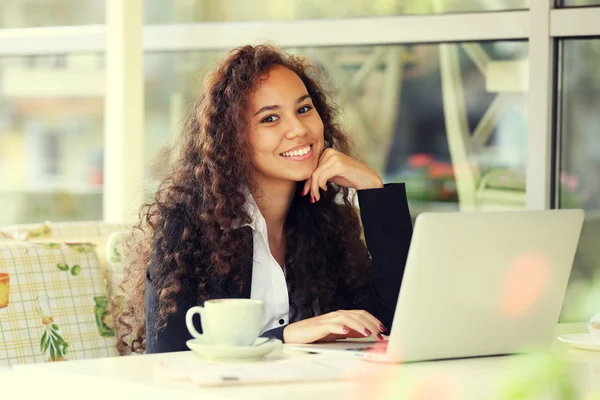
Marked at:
<point>190,324</point>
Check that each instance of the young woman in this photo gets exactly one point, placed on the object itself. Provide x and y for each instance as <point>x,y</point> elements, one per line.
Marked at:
<point>258,206</point>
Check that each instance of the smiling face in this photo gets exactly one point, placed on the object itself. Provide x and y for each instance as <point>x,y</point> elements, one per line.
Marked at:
<point>286,129</point>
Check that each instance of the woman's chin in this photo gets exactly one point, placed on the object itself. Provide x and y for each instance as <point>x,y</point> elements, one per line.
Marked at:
<point>302,178</point>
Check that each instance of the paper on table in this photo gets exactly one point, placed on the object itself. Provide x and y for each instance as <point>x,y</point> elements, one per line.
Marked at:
<point>321,367</point>
<point>5,373</point>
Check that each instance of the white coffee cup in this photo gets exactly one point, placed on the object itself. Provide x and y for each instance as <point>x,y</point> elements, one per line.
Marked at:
<point>228,322</point>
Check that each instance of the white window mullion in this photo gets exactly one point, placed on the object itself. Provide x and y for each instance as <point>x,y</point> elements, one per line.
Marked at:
<point>539,107</point>
<point>507,25</point>
<point>124,111</point>
<point>52,40</point>
<point>340,32</point>
<point>575,22</point>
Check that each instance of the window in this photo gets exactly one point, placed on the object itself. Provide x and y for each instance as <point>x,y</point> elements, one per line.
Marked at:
<point>51,138</point>
<point>447,119</point>
<point>162,12</point>
<point>171,82</point>
<point>38,13</point>
<point>579,169</point>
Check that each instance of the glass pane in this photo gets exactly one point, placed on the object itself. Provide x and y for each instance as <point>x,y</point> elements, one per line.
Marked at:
<point>36,13</point>
<point>580,169</point>
<point>51,138</point>
<point>163,12</point>
<point>447,119</point>
<point>578,3</point>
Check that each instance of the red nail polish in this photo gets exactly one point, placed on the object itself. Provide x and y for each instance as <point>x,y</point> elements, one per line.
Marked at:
<point>368,332</point>
<point>312,199</point>
<point>379,337</point>
<point>304,191</point>
<point>346,330</point>
<point>382,328</point>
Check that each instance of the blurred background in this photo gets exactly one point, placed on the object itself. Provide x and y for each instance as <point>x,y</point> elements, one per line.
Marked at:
<point>449,118</point>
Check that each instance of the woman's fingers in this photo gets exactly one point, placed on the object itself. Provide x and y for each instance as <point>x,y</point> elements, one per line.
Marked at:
<point>336,329</point>
<point>371,318</point>
<point>326,155</point>
<point>326,170</point>
<point>308,183</point>
<point>307,186</point>
<point>358,324</point>
<point>319,181</point>
<point>372,326</point>
<point>333,326</point>
<point>341,170</point>
<point>368,320</point>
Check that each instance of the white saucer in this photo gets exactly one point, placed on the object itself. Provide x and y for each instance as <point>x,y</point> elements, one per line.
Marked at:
<point>260,348</point>
<point>583,341</point>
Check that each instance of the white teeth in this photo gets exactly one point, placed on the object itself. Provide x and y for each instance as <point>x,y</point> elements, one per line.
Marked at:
<point>296,153</point>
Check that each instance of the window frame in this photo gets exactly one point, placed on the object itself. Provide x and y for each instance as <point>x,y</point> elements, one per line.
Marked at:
<point>542,25</point>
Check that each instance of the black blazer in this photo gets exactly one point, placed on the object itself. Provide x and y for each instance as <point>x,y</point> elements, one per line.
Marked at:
<point>388,230</point>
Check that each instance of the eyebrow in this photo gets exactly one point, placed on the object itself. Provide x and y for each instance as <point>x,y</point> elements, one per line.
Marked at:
<point>275,107</point>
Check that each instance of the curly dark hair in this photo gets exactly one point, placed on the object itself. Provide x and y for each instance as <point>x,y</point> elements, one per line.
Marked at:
<point>201,202</point>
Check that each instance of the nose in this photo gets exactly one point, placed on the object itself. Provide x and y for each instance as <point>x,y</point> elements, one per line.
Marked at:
<point>296,128</point>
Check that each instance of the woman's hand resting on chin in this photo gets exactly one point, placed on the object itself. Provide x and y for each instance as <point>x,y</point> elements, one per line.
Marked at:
<point>335,325</point>
<point>342,170</point>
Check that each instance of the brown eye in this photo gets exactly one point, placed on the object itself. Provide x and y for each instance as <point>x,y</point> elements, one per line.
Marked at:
<point>304,109</point>
<point>269,118</point>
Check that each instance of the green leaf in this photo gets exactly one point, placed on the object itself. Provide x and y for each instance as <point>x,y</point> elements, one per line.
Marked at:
<point>55,327</point>
<point>52,354</point>
<point>60,339</point>
<point>57,340</point>
<point>75,270</point>
<point>62,266</point>
<point>46,346</point>
<point>43,341</point>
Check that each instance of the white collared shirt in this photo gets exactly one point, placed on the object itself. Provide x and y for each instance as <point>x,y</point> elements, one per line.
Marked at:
<point>268,278</point>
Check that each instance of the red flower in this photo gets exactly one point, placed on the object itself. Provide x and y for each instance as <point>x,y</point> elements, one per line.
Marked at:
<point>440,170</point>
<point>419,160</point>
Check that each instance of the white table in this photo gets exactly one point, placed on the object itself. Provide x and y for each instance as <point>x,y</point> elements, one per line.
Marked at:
<point>133,378</point>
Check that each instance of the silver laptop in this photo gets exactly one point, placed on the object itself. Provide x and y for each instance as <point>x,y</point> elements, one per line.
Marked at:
<point>478,284</point>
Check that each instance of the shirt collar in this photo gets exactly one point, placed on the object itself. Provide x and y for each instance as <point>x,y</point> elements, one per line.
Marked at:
<point>257,221</point>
